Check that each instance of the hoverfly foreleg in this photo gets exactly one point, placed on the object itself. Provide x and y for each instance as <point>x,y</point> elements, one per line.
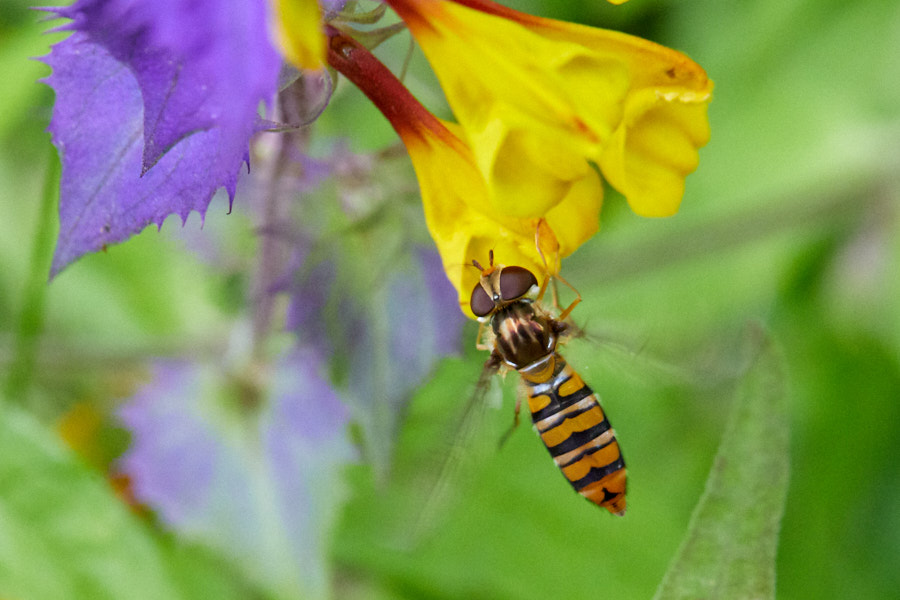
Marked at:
<point>562,316</point>
<point>480,343</point>
<point>543,231</point>
<point>491,367</point>
<point>540,295</point>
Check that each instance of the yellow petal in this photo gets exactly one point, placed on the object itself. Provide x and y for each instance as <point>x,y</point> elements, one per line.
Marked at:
<point>526,178</point>
<point>518,96</point>
<point>574,220</point>
<point>298,32</point>
<point>539,98</point>
<point>665,121</point>
<point>653,152</point>
<point>453,196</point>
<point>466,218</point>
<point>452,192</point>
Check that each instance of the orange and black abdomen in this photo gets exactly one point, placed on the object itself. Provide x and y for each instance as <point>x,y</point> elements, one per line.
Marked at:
<point>568,417</point>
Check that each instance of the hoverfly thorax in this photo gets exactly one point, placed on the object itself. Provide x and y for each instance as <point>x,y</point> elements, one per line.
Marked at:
<point>503,297</point>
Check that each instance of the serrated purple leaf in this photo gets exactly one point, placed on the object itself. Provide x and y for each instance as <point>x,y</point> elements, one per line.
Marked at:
<point>199,64</point>
<point>263,490</point>
<point>170,84</point>
<point>97,127</point>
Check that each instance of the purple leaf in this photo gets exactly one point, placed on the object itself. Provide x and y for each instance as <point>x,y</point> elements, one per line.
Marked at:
<point>420,302</point>
<point>265,490</point>
<point>198,63</point>
<point>389,339</point>
<point>441,306</point>
<point>97,128</point>
<point>169,84</point>
<point>431,322</point>
<point>306,312</point>
<point>387,365</point>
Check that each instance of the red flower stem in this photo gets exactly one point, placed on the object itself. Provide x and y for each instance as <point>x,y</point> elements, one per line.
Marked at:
<point>405,113</point>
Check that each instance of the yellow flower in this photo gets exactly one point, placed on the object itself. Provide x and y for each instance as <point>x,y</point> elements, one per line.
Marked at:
<point>539,99</point>
<point>298,32</point>
<point>543,108</point>
<point>464,226</point>
<point>455,196</point>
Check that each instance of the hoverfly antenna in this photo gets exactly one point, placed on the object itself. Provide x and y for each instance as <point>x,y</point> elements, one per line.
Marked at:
<point>491,256</point>
<point>477,265</point>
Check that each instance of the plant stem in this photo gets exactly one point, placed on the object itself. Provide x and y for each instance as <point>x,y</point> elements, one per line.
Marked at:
<point>274,228</point>
<point>31,318</point>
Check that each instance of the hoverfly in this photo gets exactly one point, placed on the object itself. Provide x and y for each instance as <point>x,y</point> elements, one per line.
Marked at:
<point>566,413</point>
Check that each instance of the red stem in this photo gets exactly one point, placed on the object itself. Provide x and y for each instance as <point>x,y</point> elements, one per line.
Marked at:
<point>405,113</point>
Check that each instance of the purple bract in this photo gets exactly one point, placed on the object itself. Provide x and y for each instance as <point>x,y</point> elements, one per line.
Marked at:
<point>155,106</point>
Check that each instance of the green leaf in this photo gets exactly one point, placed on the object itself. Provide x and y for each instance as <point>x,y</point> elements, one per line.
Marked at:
<point>64,535</point>
<point>729,549</point>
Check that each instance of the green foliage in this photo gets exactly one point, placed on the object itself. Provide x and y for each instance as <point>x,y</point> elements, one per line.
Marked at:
<point>791,221</point>
<point>63,534</point>
<point>729,549</point>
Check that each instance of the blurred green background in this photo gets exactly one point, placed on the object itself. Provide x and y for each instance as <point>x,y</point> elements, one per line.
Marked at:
<point>792,221</point>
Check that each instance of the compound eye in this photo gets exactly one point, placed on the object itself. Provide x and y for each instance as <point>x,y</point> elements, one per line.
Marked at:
<point>481,304</point>
<point>515,282</point>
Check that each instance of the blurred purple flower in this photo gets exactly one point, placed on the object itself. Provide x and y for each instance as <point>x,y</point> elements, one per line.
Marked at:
<point>430,322</point>
<point>175,456</point>
<point>309,299</point>
<point>264,490</point>
<point>441,305</point>
<point>155,106</point>
<point>386,364</point>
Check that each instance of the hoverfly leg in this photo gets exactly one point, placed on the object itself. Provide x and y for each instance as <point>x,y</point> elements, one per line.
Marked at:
<point>512,427</point>
<point>491,367</point>
<point>542,232</point>
<point>567,330</point>
<point>543,289</point>
<point>562,316</point>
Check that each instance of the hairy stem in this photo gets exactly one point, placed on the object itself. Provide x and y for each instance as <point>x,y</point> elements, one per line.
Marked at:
<point>275,211</point>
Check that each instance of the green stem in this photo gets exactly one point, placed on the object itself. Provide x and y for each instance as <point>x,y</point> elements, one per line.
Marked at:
<point>31,318</point>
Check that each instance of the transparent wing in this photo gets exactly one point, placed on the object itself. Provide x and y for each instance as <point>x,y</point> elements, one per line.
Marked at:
<point>632,355</point>
<point>459,448</point>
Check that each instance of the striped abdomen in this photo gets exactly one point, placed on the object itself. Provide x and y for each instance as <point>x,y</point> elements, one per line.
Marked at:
<point>568,417</point>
